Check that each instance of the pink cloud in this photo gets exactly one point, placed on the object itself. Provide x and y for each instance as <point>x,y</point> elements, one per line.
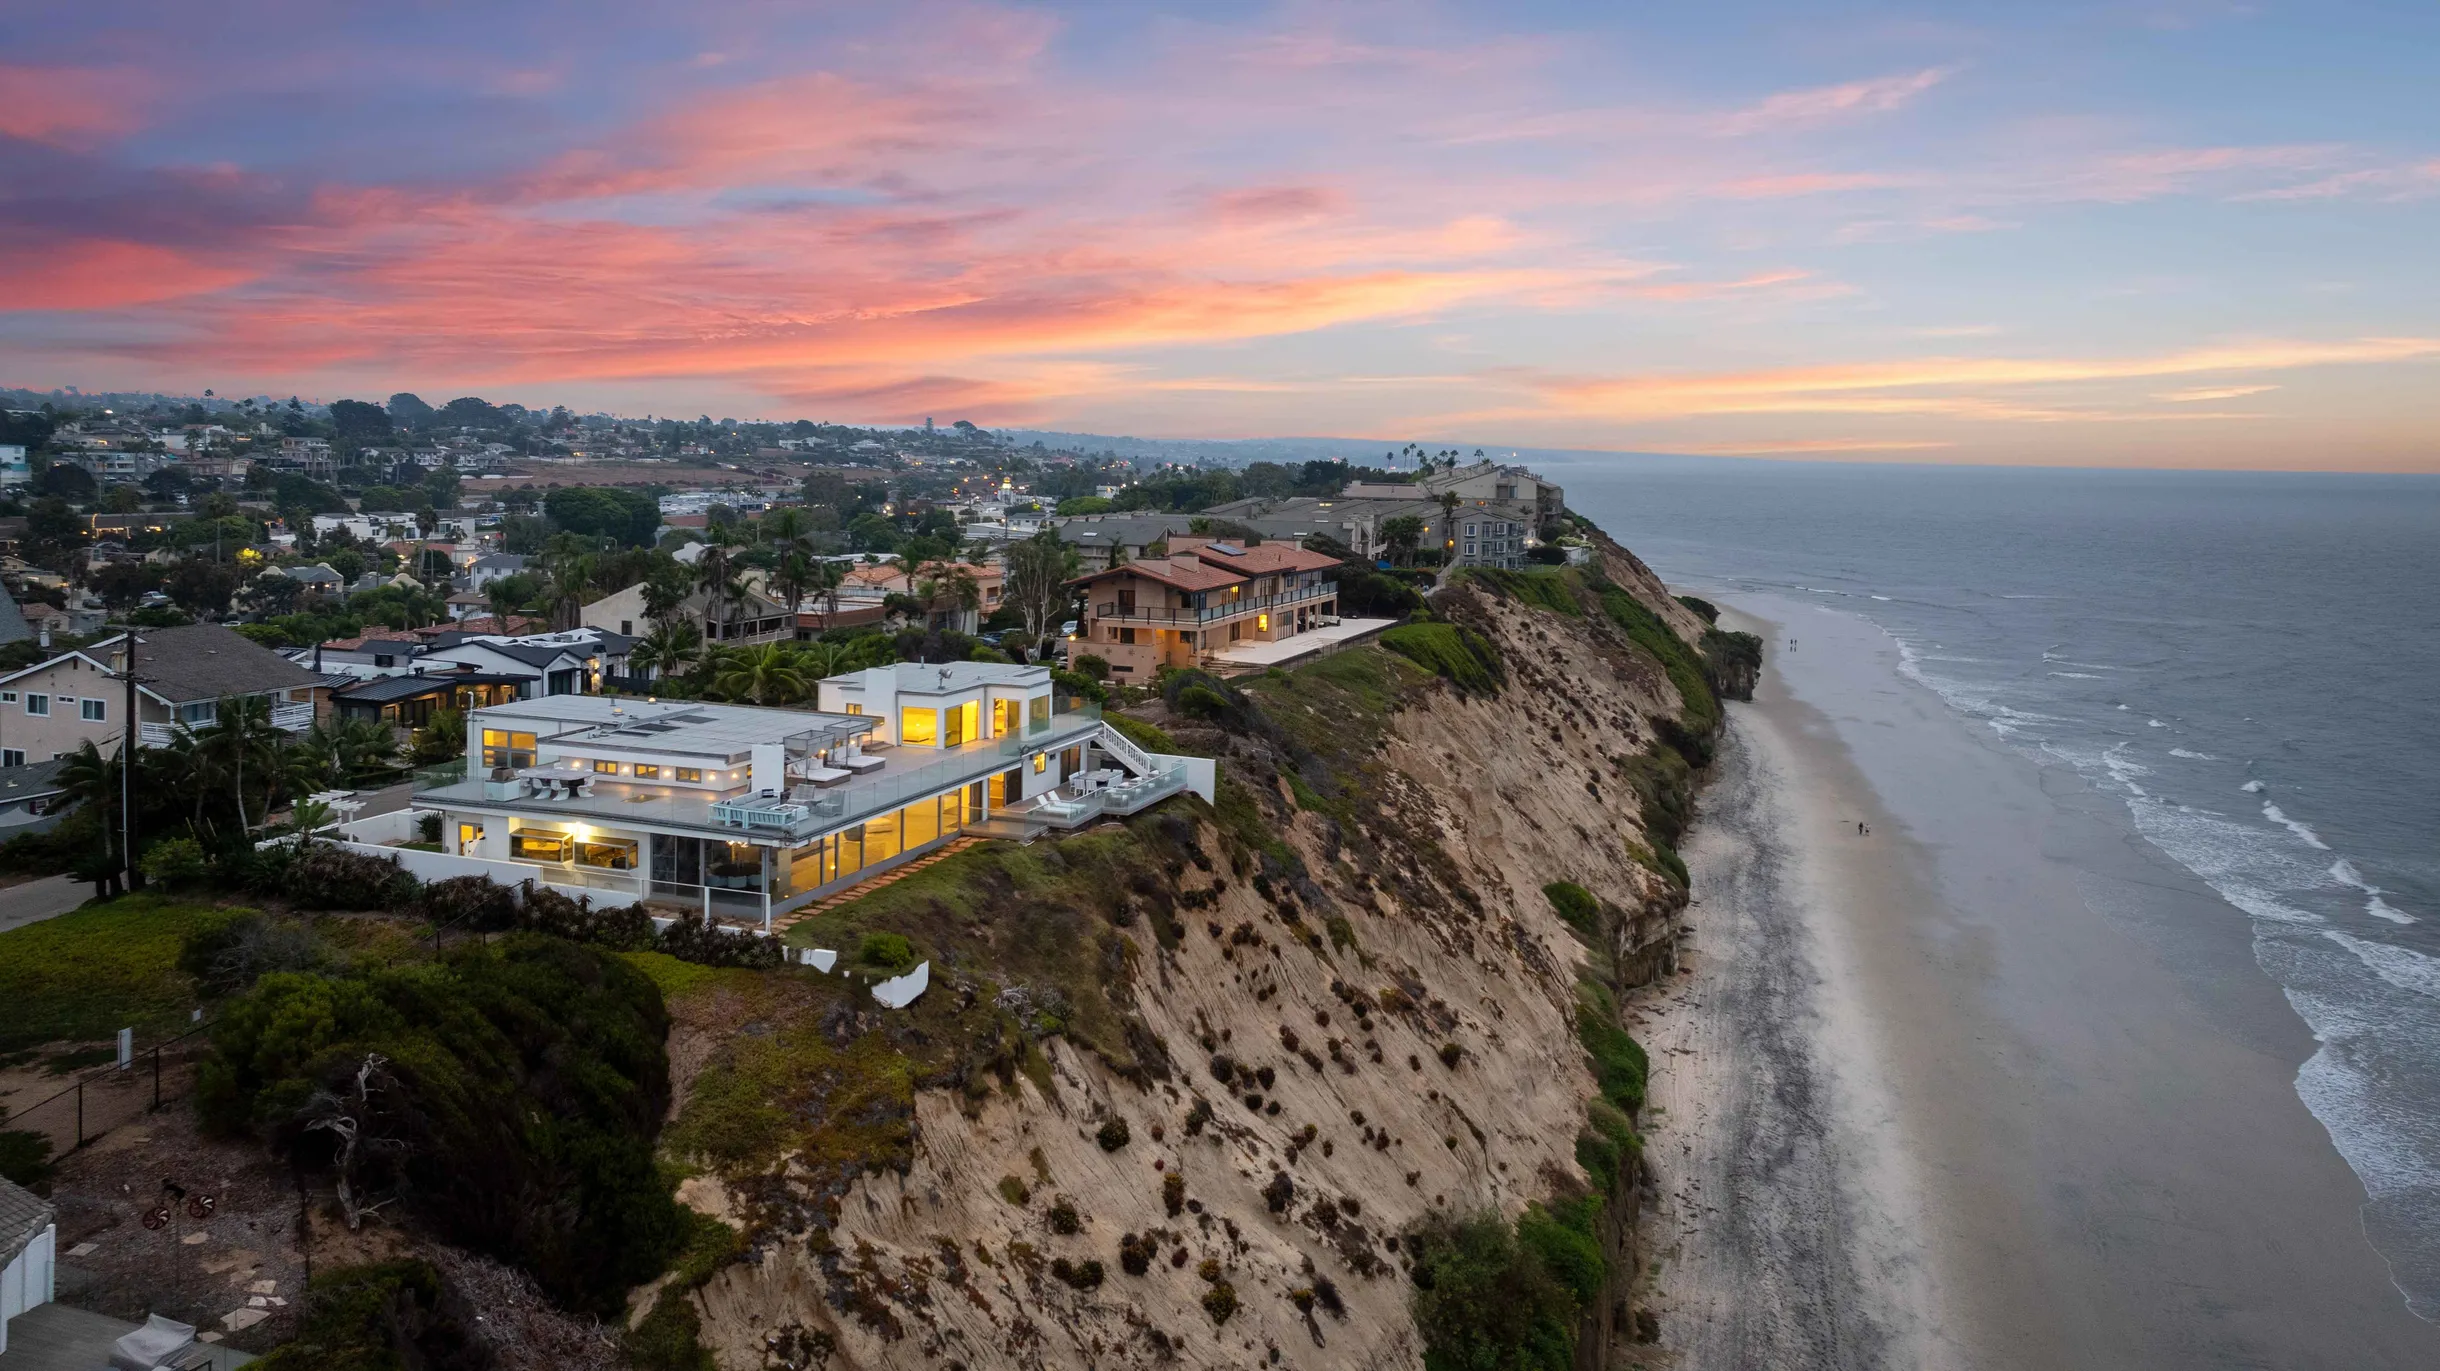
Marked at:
<point>1804,109</point>
<point>69,106</point>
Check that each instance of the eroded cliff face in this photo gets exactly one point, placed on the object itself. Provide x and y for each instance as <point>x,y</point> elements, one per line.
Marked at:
<point>1348,1003</point>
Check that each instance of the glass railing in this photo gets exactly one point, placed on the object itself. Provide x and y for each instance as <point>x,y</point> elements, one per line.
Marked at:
<point>447,773</point>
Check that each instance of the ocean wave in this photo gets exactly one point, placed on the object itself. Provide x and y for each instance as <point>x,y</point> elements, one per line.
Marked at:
<point>2192,756</point>
<point>2402,967</point>
<point>2156,723</point>
<point>2344,872</point>
<point>2311,839</point>
<point>2251,787</point>
<point>1882,598</point>
<point>2077,675</point>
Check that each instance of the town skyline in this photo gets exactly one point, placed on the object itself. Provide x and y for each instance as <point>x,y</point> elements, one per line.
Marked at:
<point>2165,236</point>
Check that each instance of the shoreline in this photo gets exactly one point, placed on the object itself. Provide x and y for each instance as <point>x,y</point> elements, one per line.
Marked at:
<point>1998,1082</point>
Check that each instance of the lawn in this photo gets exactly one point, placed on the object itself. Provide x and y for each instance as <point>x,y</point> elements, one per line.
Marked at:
<point>86,974</point>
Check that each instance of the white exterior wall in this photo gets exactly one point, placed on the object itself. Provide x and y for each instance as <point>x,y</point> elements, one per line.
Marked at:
<point>30,1279</point>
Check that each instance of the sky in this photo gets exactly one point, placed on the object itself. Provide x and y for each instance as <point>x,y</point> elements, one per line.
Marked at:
<point>2156,233</point>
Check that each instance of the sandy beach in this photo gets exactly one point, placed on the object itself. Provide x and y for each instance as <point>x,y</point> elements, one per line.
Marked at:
<point>1949,1094</point>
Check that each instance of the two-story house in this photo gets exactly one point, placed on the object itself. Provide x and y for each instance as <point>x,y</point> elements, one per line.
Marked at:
<point>48,709</point>
<point>1201,599</point>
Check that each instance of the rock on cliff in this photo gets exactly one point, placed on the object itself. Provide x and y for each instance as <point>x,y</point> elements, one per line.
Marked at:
<point>1182,1083</point>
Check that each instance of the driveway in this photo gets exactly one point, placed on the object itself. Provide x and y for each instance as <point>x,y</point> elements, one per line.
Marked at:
<point>37,900</point>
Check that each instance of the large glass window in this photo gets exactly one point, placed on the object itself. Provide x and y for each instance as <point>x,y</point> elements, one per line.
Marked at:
<point>881,838</point>
<point>733,866</point>
<point>615,854</point>
<point>501,748</point>
<point>1038,712</point>
<point>538,845</point>
<point>957,725</point>
<point>919,727</point>
<point>922,822</point>
<point>850,848</point>
<point>1004,716</point>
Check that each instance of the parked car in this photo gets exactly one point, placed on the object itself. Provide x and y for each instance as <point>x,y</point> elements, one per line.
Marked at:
<point>1068,629</point>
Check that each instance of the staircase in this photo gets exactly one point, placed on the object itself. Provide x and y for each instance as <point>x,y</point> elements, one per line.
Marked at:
<point>1120,746</point>
<point>781,924</point>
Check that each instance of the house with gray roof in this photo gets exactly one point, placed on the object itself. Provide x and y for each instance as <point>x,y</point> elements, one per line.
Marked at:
<point>182,675</point>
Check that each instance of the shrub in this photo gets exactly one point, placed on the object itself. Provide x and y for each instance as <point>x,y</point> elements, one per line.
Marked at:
<point>428,825</point>
<point>1064,1218</point>
<point>889,951</point>
<point>1450,1055</point>
<point>1280,1193</point>
<point>1465,658</point>
<point>387,1316</point>
<point>313,875</point>
<point>1094,665</point>
<point>229,950</point>
<point>1704,609</point>
<point>1014,1191</point>
<point>1220,1301</point>
<point>1113,1134</point>
<point>1565,1238</point>
<point>473,903</point>
<point>1173,1193</point>
<point>621,928</point>
<point>1135,1254</point>
<point>1484,1300</point>
<point>692,938</point>
<point>1085,1275</point>
<point>1619,1064</point>
<point>176,864</point>
<point>531,1067</point>
<point>1576,905</point>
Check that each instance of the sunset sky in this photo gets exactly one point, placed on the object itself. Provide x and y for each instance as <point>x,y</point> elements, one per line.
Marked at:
<point>2165,233</point>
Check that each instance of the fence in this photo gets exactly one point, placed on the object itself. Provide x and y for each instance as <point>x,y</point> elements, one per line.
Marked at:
<point>102,1100</point>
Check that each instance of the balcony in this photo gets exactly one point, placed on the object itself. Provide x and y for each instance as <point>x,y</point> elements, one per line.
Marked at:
<point>286,717</point>
<point>1233,607</point>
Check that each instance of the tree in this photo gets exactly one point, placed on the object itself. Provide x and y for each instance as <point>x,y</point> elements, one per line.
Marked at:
<point>202,587</point>
<point>90,780</point>
<point>628,517</point>
<point>716,577</point>
<point>1038,572</point>
<point>121,584</point>
<point>241,738</point>
<point>355,421</point>
<point>1402,536</point>
<point>767,675</point>
<point>670,648</point>
<point>468,411</point>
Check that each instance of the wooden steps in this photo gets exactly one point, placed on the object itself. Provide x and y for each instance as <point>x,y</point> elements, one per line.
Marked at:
<point>783,923</point>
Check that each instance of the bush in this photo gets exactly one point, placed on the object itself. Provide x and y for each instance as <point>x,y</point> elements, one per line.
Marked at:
<point>1485,1302</point>
<point>472,903</point>
<point>1113,1135</point>
<point>621,928</point>
<point>176,864</point>
<point>1279,1193</point>
<point>388,1316</point>
<point>1619,1064</point>
<point>1546,554</point>
<point>1064,1218</point>
<point>890,952</point>
<point>692,938</point>
<point>1086,1275</point>
<point>1465,658</point>
<point>1173,1193</point>
<point>1094,665</point>
<point>517,1091</point>
<point>1576,905</point>
<point>229,950</point>
<point>1565,1238</point>
<point>315,875</point>
<point>1135,1254</point>
<point>1704,609</point>
<point>1069,682</point>
<point>1220,1301</point>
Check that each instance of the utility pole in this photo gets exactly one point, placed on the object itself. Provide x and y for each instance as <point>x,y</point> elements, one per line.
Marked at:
<point>127,766</point>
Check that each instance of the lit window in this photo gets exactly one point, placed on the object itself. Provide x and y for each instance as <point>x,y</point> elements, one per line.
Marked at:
<point>919,727</point>
<point>1042,761</point>
<point>538,845</point>
<point>92,710</point>
<point>1262,623</point>
<point>646,772</point>
<point>605,768</point>
<point>690,773</point>
<point>855,709</point>
<point>501,748</point>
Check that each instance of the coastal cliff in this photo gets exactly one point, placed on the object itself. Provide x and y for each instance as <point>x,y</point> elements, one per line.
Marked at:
<point>1204,1087</point>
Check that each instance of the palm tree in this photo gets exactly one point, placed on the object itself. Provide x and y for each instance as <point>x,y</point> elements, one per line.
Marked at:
<point>241,735</point>
<point>828,576</point>
<point>767,675</point>
<point>667,649</point>
<point>792,578</point>
<point>87,778</point>
<point>571,584</point>
<point>716,576</point>
<point>664,595</point>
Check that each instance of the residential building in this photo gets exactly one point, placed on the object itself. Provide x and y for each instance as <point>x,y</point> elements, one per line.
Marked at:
<point>368,526</point>
<point>752,813</point>
<point>376,653</point>
<point>484,570</point>
<point>1094,536</point>
<point>1483,483</point>
<point>871,584</point>
<point>1469,533</point>
<point>30,797</point>
<point>1200,600</point>
<point>15,468</point>
<point>48,709</point>
<point>754,620</point>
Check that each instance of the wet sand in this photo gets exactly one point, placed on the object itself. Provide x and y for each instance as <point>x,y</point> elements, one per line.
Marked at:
<point>1996,1086</point>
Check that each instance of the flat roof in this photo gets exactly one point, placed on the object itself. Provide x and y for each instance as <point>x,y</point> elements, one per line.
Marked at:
<point>689,726</point>
<point>949,678</point>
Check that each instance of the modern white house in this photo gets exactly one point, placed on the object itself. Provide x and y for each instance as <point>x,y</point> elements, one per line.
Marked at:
<point>749,813</point>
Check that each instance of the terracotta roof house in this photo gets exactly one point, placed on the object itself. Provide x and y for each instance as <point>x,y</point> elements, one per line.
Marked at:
<point>1200,600</point>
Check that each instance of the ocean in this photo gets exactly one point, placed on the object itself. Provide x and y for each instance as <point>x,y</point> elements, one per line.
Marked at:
<point>2249,664</point>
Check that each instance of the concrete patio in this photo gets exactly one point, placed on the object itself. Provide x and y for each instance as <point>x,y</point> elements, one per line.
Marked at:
<point>55,1337</point>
